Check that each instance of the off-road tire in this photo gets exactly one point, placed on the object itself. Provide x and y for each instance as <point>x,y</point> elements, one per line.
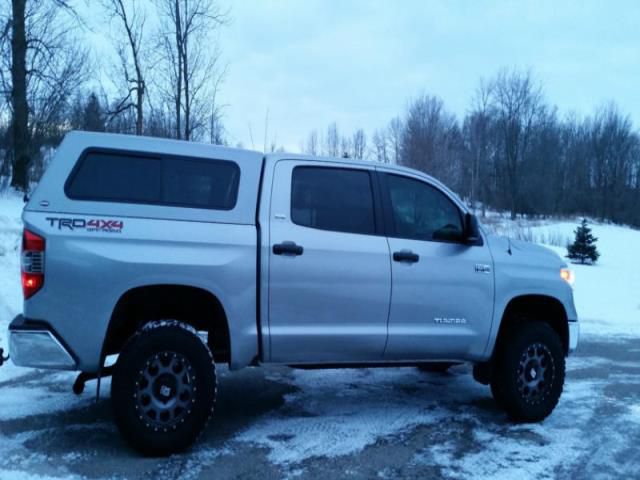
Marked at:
<point>163,348</point>
<point>529,371</point>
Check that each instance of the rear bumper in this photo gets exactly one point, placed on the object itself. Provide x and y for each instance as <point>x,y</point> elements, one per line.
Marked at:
<point>35,344</point>
<point>574,335</point>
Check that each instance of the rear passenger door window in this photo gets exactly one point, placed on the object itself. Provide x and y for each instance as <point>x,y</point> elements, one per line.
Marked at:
<point>335,199</point>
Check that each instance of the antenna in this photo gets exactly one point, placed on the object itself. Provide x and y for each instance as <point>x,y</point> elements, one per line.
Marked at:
<point>253,145</point>
<point>266,129</point>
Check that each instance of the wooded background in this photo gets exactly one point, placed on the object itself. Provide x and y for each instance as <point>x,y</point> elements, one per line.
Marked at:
<point>513,150</point>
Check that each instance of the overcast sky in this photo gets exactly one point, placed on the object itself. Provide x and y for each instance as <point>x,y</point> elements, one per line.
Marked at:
<point>358,62</point>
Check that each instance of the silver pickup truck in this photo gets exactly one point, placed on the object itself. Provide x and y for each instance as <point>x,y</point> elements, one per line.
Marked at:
<point>176,256</point>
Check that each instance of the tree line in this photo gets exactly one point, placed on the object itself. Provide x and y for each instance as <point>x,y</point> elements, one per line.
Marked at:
<point>511,151</point>
<point>160,77</point>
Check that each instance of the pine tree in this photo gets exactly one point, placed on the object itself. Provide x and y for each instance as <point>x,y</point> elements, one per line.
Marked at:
<point>584,246</point>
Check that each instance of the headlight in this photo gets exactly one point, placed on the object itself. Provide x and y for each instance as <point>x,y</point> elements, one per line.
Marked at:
<point>568,276</point>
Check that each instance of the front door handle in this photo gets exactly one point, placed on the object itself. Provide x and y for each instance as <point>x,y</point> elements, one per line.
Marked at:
<point>287,248</point>
<point>406,256</point>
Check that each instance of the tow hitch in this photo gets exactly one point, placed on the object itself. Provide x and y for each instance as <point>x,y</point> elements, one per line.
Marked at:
<point>2,357</point>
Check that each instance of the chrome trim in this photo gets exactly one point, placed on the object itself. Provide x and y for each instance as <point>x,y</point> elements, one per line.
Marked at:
<point>574,334</point>
<point>39,349</point>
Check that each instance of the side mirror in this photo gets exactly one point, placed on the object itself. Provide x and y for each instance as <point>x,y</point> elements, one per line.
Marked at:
<point>472,234</point>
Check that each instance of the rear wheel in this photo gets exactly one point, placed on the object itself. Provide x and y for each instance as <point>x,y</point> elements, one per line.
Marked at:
<point>163,389</point>
<point>528,376</point>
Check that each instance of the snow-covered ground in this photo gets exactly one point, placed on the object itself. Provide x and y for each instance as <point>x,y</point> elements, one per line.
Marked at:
<point>389,423</point>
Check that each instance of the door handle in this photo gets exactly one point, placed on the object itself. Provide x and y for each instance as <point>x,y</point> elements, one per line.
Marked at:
<point>406,256</point>
<point>287,248</point>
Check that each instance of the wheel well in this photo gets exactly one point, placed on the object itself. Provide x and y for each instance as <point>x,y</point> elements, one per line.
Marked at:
<point>194,306</point>
<point>535,307</point>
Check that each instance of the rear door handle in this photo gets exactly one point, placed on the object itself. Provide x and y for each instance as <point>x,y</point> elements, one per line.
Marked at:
<point>406,256</point>
<point>287,248</point>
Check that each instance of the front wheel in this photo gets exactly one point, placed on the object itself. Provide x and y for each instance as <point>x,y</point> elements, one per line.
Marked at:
<point>529,372</point>
<point>163,389</point>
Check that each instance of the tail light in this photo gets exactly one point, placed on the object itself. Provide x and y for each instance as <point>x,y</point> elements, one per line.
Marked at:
<point>32,263</point>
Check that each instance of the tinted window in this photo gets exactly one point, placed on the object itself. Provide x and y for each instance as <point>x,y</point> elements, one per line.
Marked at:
<point>204,184</point>
<point>332,199</point>
<point>422,212</point>
<point>103,176</point>
<point>168,181</point>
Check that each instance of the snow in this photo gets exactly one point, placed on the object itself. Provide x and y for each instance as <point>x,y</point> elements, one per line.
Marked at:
<point>10,290</point>
<point>334,421</point>
<point>32,397</point>
<point>335,413</point>
<point>535,449</point>
<point>19,475</point>
<point>17,467</point>
<point>634,413</point>
<point>342,412</point>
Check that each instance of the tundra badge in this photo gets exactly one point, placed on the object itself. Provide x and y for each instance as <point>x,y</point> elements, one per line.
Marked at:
<point>483,268</point>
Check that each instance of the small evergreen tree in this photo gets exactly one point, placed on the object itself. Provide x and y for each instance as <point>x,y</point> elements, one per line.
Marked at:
<point>93,115</point>
<point>584,246</point>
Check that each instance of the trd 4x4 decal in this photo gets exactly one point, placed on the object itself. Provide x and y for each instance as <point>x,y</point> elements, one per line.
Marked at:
<point>93,225</point>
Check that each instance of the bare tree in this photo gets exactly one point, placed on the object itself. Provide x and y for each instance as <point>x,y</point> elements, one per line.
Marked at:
<point>190,58</point>
<point>312,145</point>
<point>5,93</point>
<point>576,155</point>
<point>612,141</point>
<point>477,131</point>
<point>332,141</point>
<point>380,146</point>
<point>216,126</point>
<point>19,105</point>
<point>359,144</point>
<point>429,137</point>
<point>46,65</point>
<point>345,147</point>
<point>159,119</point>
<point>129,47</point>
<point>518,104</point>
<point>394,134</point>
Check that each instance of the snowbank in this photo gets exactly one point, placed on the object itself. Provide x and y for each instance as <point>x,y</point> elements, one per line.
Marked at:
<point>10,290</point>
